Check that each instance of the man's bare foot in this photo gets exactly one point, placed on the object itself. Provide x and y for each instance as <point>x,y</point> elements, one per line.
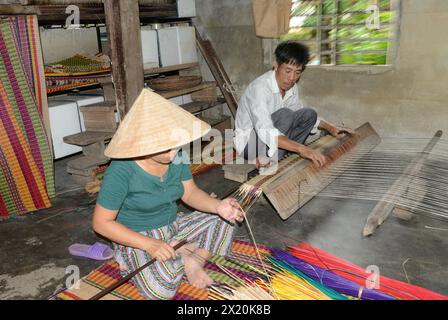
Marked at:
<point>262,162</point>
<point>196,274</point>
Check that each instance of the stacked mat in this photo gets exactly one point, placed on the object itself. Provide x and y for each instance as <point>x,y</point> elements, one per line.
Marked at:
<point>26,162</point>
<point>291,278</point>
<point>76,72</point>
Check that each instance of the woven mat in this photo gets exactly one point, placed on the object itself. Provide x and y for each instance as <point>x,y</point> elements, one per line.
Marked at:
<point>26,162</point>
<point>240,263</point>
<point>242,254</point>
<point>71,86</point>
<point>80,65</point>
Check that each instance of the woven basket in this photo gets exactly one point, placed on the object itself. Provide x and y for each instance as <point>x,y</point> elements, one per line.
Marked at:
<point>174,83</point>
<point>205,95</point>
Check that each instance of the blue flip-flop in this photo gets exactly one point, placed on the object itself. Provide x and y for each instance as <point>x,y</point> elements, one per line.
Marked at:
<point>97,251</point>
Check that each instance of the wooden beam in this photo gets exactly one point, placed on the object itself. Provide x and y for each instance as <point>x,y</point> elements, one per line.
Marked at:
<point>84,2</point>
<point>16,9</point>
<point>181,92</point>
<point>90,13</point>
<point>151,71</point>
<point>382,210</point>
<point>123,28</point>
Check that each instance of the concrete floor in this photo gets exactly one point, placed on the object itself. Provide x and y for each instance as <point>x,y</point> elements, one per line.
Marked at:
<point>34,256</point>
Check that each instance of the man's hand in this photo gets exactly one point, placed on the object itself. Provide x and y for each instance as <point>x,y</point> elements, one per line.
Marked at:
<point>318,159</point>
<point>229,210</point>
<point>337,132</point>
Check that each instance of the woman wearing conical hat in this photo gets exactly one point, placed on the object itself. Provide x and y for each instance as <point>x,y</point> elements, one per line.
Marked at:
<point>137,209</point>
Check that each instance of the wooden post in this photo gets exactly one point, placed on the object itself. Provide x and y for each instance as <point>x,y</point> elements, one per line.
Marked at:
<point>382,210</point>
<point>123,29</point>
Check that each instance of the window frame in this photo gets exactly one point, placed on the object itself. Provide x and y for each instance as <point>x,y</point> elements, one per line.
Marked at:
<point>391,55</point>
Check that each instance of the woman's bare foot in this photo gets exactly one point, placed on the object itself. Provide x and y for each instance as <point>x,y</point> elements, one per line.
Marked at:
<point>193,265</point>
<point>186,249</point>
<point>196,274</point>
<point>122,266</point>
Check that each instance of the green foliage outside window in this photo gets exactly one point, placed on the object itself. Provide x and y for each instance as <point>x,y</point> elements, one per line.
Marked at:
<point>346,22</point>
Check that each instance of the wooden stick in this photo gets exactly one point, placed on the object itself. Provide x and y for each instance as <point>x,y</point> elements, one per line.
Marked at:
<point>382,210</point>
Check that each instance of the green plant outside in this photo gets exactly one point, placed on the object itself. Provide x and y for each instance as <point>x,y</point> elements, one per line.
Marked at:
<point>353,14</point>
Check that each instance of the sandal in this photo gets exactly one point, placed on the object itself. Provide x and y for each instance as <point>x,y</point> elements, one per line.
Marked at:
<point>97,251</point>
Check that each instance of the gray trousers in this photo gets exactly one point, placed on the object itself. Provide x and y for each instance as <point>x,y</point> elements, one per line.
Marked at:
<point>296,125</point>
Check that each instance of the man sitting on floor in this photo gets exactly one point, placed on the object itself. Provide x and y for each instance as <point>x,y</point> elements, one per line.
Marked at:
<point>271,119</point>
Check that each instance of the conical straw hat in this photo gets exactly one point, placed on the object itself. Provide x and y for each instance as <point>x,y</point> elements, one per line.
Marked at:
<point>154,125</point>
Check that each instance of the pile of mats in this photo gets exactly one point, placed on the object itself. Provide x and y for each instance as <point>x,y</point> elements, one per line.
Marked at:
<point>26,162</point>
<point>302,272</point>
<point>76,72</point>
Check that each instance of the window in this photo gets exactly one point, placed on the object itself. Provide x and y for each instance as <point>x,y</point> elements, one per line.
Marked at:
<point>346,32</point>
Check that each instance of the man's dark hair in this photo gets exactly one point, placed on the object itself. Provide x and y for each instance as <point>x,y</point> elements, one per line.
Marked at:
<point>292,52</point>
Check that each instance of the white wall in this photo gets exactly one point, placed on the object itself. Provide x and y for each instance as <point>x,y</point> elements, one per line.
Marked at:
<point>59,44</point>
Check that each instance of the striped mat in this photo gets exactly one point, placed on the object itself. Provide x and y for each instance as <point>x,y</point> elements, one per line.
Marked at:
<point>26,163</point>
<point>242,254</point>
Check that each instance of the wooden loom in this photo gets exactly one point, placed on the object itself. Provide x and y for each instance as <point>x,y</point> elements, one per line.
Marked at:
<point>298,180</point>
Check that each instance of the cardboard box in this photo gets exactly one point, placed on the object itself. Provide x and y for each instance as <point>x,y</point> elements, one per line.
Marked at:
<point>177,45</point>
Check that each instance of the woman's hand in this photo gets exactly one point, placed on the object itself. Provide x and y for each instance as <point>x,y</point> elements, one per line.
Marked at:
<point>160,250</point>
<point>230,210</point>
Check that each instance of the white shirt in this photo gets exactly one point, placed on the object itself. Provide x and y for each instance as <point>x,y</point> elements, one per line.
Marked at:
<point>261,99</point>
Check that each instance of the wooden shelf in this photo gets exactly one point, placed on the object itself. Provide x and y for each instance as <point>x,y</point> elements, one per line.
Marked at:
<point>198,107</point>
<point>83,165</point>
<point>177,93</point>
<point>214,121</point>
<point>177,67</point>
<point>88,137</point>
<point>101,106</point>
<point>73,89</point>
